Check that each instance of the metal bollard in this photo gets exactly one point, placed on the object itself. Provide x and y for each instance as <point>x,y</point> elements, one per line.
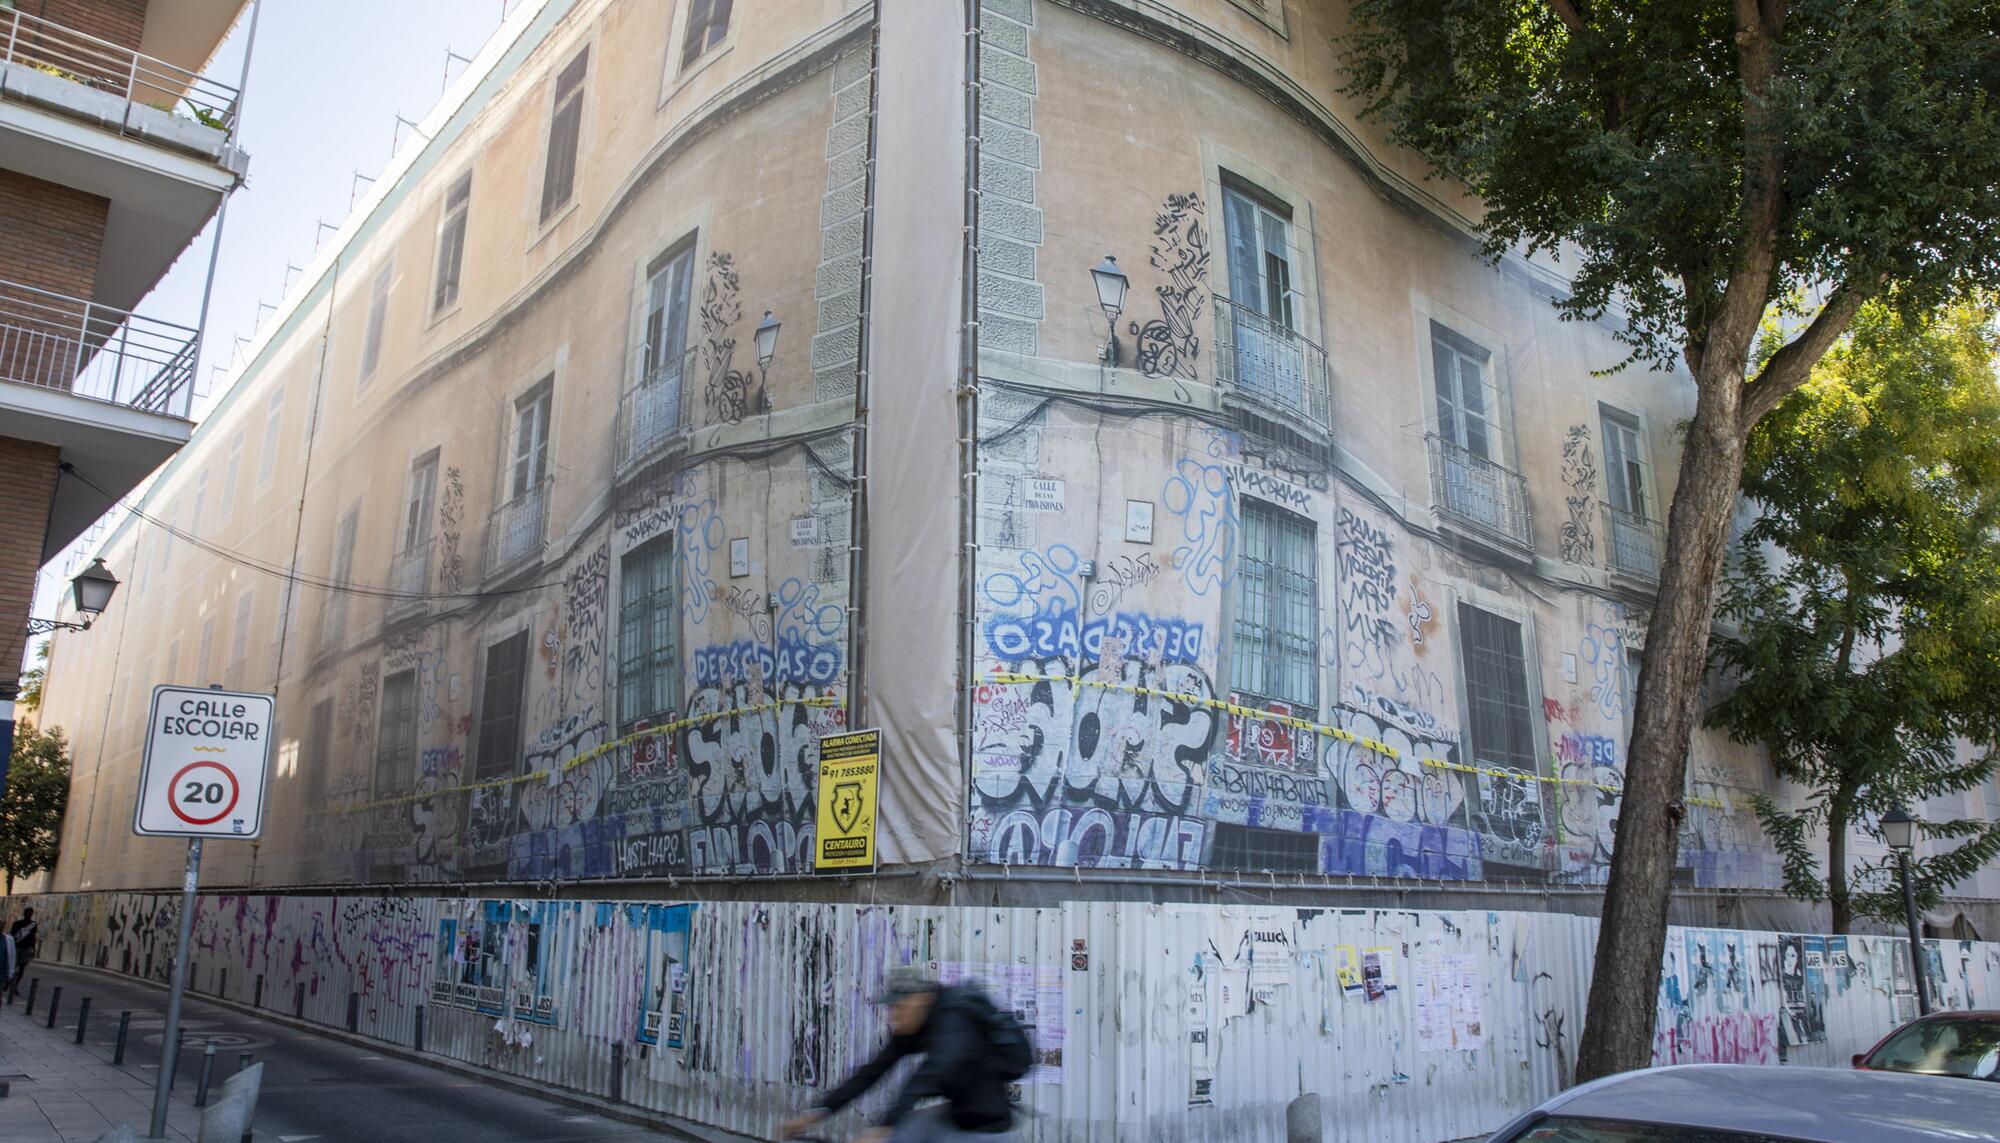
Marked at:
<point>420,1028</point>
<point>124,1029</point>
<point>34,986</point>
<point>82,1018</point>
<point>354,1012</point>
<point>55,1002</point>
<point>207,1070</point>
<point>299,1004</point>
<point>257,998</point>
<point>242,1060</point>
<point>618,1072</point>
<point>222,983</point>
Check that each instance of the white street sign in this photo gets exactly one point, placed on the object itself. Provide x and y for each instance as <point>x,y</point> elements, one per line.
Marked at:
<point>207,755</point>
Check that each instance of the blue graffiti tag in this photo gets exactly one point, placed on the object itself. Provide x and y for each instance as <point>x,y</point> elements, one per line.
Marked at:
<point>1060,634</point>
<point>791,661</point>
<point>698,534</point>
<point>1201,495</point>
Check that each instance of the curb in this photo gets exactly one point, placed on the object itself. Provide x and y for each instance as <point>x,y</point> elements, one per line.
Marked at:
<point>676,1128</point>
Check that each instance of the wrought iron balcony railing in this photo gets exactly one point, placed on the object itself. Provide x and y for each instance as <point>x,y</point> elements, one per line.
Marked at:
<point>518,530</point>
<point>410,579</point>
<point>57,342</point>
<point>40,47</point>
<point>651,412</point>
<point>1633,543</point>
<point>1476,492</point>
<point>1260,361</point>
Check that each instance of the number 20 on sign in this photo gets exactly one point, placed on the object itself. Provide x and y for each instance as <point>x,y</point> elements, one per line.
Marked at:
<point>208,753</point>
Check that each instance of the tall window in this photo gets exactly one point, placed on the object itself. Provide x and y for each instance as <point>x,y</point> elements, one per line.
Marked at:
<point>200,502</point>
<point>646,613</point>
<point>1260,261</point>
<point>206,661</point>
<point>1275,632</point>
<point>1465,414</point>
<point>451,243</point>
<point>1624,464</point>
<point>708,23</point>
<point>667,284</point>
<point>528,462</point>
<point>333,621</point>
<point>239,639</point>
<point>378,314</point>
<point>396,740</point>
<point>499,745</point>
<point>274,423</point>
<point>173,660</point>
<point>319,758</point>
<point>1496,690</point>
<point>565,130</point>
<point>420,503</point>
<point>231,473</point>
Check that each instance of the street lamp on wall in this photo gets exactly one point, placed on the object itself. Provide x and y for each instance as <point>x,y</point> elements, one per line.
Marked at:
<point>766,339</point>
<point>91,591</point>
<point>1111,285</point>
<point>1899,830</point>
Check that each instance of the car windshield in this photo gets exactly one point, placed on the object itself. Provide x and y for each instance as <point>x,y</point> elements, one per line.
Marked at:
<point>1563,1129</point>
<point>1969,1048</point>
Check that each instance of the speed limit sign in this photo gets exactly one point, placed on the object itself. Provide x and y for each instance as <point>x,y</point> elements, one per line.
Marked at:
<point>207,754</point>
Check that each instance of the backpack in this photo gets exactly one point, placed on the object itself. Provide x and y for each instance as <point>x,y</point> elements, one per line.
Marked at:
<point>1009,1053</point>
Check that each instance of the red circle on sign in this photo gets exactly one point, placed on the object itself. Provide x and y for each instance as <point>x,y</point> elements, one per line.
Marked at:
<point>174,803</point>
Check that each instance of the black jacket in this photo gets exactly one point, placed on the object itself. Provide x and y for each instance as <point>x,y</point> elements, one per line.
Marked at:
<point>955,1067</point>
<point>24,932</point>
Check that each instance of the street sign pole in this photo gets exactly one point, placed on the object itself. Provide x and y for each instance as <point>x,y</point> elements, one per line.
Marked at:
<point>169,1036</point>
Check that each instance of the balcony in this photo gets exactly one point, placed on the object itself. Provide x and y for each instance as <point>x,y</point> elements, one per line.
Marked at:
<point>152,137</point>
<point>410,580</point>
<point>1633,544</point>
<point>110,389</point>
<point>127,92</point>
<point>1475,493</point>
<point>94,351</point>
<point>1263,364</point>
<point>517,531</point>
<point>650,415</point>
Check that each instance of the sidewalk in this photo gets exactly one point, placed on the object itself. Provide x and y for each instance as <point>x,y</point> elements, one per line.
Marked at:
<point>62,1090</point>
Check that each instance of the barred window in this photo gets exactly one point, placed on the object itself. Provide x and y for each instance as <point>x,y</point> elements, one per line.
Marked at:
<point>499,742</point>
<point>396,741</point>
<point>646,612</point>
<point>1496,690</point>
<point>1275,633</point>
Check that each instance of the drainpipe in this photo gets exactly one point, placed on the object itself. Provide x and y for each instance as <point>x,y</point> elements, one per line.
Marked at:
<point>857,522</point>
<point>968,430</point>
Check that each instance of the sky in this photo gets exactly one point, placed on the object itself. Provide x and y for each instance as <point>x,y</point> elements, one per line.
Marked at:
<point>327,80</point>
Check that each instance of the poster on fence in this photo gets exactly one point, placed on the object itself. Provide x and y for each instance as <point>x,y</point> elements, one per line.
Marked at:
<point>1034,994</point>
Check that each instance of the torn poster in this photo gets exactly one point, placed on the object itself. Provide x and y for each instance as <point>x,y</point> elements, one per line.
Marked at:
<point>1034,994</point>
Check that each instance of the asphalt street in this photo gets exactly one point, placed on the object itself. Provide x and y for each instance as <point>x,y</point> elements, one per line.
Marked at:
<point>315,1088</point>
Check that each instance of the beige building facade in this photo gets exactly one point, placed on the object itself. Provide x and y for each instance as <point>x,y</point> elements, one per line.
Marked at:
<point>1326,557</point>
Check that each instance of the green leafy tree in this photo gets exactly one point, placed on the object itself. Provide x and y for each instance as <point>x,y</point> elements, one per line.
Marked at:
<point>32,679</point>
<point>1693,163</point>
<point>1870,643</point>
<point>31,809</point>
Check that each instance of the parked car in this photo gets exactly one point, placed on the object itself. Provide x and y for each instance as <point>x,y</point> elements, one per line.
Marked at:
<point>1741,1103</point>
<point>1961,1044</point>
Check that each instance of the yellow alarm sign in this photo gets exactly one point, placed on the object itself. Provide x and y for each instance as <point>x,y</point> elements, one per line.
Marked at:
<point>848,766</point>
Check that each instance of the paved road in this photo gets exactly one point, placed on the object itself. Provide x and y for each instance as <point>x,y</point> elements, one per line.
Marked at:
<point>314,1088</point>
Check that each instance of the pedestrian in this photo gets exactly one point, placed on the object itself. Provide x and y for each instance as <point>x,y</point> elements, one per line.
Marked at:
<point>971,1051</point>
<point>23,935</point>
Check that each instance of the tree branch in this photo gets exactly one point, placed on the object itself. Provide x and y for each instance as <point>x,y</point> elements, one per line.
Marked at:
<point>1791,365</point>
<point>1567,12</point>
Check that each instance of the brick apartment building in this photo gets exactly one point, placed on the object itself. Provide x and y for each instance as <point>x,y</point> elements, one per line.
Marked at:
<point>115,151</point>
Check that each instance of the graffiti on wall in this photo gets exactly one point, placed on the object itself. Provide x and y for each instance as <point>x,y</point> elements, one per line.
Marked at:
<point>1579,476</point>
<point>725,389</point>
<point>1170,345</point>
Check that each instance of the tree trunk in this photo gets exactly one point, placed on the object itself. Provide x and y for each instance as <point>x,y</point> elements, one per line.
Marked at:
<point>1618,1031</point>
<point>1839,812</point>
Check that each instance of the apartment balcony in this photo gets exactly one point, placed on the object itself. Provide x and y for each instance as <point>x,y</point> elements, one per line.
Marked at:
<point>111,389</point>
<point>1633,544</point>
<point>151,135</point>
<point>1481,497</point>
<point>410,580</point>
<point>518,531</point>
<point>650,416</point>
<point>1272,370</point>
